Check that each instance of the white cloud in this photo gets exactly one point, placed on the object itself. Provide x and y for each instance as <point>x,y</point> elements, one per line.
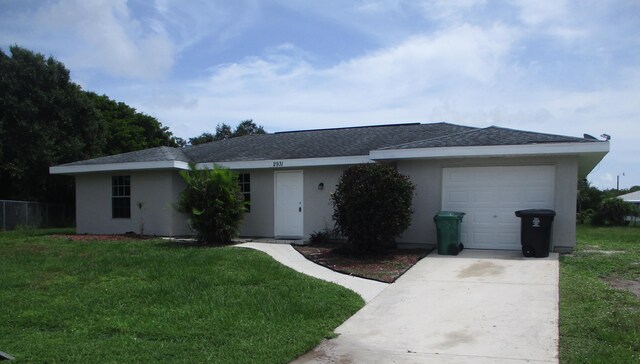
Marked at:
<point>549,66</point>
<point>400,83</point>
<point>535,12</point>
<point>109,38</point>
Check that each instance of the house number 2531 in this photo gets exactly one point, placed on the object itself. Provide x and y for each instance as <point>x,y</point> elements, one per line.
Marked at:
<point>278,164</point>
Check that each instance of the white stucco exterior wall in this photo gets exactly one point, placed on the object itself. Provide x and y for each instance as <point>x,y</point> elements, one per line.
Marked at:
<point>317,206</point>
<point>427,175</point>
<point>158,191</point>
<point>259,221</point>
<point>155,190</point>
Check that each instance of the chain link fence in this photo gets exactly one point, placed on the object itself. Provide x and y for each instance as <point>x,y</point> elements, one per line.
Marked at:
<point>28,214</point>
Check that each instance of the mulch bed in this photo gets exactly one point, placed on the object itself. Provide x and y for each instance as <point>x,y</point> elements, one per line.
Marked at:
<point>386,267</point>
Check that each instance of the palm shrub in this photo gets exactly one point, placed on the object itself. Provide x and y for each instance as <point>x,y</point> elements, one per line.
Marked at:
<point>213,203</point>
<point>372,206</point>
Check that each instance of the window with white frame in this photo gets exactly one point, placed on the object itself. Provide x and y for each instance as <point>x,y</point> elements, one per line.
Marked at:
<point>121,197</point>
<point>244,180</point>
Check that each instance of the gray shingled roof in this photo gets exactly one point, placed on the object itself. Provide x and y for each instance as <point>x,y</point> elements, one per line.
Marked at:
<point>156,154</point>
<point>490,136</point>
<point>355,141</point>
<point>317,143</point>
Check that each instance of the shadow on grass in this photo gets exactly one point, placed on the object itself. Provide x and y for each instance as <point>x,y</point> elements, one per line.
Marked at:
<point>180,243</point>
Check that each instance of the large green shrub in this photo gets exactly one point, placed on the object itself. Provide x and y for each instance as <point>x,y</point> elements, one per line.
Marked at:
<point>613,211</point>
<point>213,203</point>
<point>372,206</point>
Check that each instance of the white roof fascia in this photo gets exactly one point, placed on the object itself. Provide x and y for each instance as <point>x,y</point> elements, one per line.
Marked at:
<point>631,197</point>
<point>108,167</point>
<point>491,151</point>
<point>290,163</point>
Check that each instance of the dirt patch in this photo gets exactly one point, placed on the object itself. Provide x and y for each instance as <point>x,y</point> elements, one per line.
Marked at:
<point>629,285</point>
<point>100,237</point>
<point>606,252</point>
<point>385,267</point>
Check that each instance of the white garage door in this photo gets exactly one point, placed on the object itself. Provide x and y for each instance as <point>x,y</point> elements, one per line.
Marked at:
<point>490,195</point>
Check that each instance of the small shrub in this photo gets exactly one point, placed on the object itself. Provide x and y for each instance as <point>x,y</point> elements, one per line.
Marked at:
<point>213,203</point>
<point>372,206</point>
<point>585,217</point>
<point>323,236</point>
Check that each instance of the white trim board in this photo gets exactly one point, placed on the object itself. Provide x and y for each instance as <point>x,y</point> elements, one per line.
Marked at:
<point>108,167</point>
<point>291,163</point>
<point>492,151</point>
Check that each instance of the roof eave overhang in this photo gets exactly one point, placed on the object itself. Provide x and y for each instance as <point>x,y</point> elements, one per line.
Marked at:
<point>235,165</point>
<point>589,154</point>
<point>289,163</point>
<point>115,167</point>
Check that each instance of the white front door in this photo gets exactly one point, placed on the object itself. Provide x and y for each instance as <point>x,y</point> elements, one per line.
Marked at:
<point>288,204</point>
<point>489,196</point>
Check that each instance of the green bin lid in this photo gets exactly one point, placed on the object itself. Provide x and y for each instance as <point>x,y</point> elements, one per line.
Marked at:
<point>449,215</point>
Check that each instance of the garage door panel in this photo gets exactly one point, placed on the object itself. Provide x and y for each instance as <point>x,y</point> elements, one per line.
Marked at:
<point>459,197</point>
<point>537,197</point>
<point>490,195</point>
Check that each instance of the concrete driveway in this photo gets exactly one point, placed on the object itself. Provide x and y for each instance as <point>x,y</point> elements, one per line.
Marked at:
<point>478,307</point>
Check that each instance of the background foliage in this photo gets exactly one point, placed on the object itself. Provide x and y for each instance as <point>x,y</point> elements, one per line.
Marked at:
<point>223,131</point>
<point>603,207</point>
<point>372,206</point>
<point>46,119</point>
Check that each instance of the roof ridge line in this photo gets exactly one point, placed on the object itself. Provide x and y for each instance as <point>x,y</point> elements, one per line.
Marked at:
<point>353,127</point>
<point>476,129</point>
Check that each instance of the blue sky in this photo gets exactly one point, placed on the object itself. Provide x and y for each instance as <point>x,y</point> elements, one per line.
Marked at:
<point>564,67</point>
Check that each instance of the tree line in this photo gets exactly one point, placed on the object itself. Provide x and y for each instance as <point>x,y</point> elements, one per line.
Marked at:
<point>46,119</point>
<point>603,207</point>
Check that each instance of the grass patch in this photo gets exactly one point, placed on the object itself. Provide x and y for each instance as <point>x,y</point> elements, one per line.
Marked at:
<point>148,300</point>
<point>599,323</point>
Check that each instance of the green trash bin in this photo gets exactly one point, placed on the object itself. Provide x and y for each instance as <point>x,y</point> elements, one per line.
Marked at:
<point>448,227</point>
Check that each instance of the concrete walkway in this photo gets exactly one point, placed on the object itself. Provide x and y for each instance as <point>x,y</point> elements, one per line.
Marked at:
<point>477,307</point>
<point>287,255</point>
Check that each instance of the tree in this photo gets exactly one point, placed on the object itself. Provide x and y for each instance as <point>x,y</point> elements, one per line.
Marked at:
<point>372,206</point>
<point>202,138</point>
<point>128,130</point>
<point>223,131</point>
<point>248,127</point>
<point>45,119</point>
<point>589,197</point>
<point>213,203</point>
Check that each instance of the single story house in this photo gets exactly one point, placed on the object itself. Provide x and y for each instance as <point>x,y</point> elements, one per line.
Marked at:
<point>487,173</point>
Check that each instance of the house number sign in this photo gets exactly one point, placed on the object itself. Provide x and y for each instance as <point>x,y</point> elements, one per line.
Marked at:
<point>278,163</point>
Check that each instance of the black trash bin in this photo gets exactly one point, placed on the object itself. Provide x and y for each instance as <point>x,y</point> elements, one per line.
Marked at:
<point>535,232</point>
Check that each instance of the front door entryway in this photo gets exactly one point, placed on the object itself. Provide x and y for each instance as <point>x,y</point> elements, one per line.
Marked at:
<point>288,204</point>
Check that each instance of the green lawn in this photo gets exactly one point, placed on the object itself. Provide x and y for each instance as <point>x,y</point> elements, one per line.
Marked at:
<point>600,324</point>
<point>142,301</point>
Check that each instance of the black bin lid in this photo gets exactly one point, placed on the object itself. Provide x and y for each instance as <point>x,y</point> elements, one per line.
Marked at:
<point>535,212</point>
